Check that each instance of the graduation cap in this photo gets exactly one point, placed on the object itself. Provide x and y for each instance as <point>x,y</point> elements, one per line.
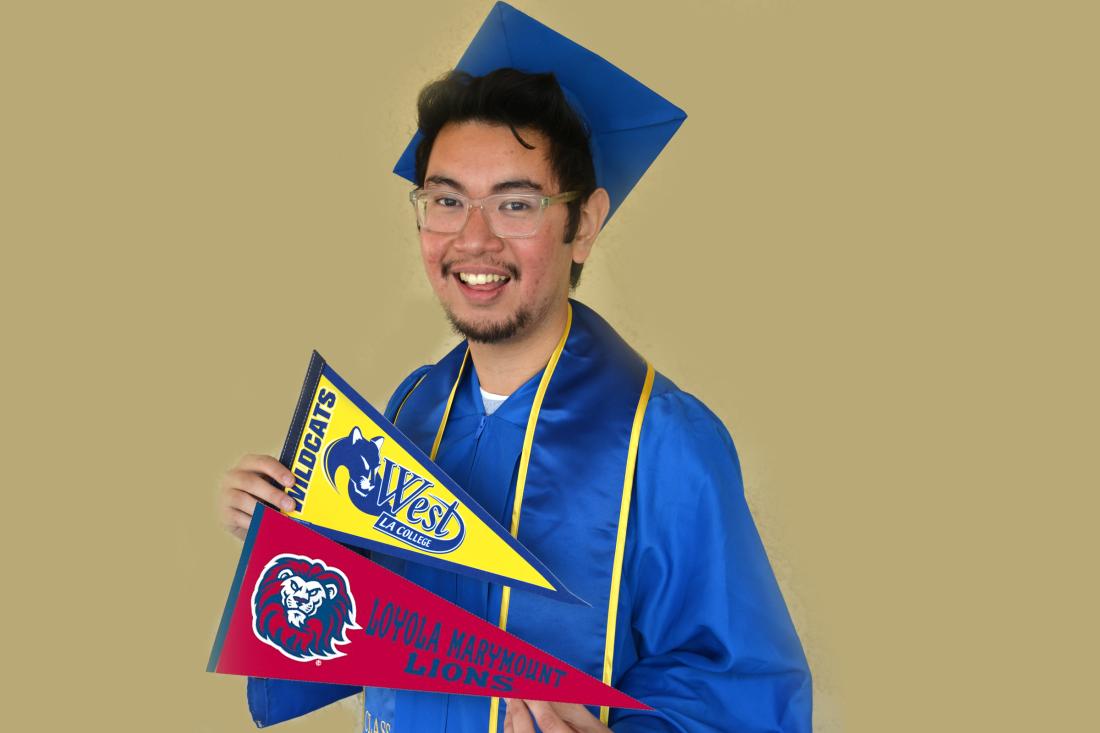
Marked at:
<point>629,124</point>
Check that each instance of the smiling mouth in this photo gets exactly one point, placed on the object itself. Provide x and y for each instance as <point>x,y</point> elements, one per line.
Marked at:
<point>479,279</point>
<point>481,287</point>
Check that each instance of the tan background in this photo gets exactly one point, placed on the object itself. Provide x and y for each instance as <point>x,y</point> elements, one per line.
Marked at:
<point>871,250</point>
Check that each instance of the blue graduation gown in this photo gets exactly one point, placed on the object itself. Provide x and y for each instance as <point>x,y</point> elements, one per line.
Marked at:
<point>703,634</point>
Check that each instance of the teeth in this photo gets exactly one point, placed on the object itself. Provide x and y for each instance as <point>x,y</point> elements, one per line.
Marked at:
<point>480,278</point>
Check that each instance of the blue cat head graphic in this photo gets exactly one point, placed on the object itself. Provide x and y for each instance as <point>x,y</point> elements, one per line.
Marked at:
<point>362,458</point>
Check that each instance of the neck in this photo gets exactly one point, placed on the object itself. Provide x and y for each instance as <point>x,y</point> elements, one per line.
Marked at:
<point>503,367</point>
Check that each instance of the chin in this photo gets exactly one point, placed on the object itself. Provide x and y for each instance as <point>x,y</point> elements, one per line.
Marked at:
<point>489,330</point>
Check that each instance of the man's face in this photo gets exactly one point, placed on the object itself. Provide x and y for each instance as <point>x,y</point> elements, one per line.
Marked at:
<point>527,278</point>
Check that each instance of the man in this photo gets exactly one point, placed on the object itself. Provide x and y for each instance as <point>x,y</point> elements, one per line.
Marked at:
<point>626,487</point>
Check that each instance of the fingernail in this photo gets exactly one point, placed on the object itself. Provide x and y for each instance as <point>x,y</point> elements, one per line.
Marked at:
<point>288,481</point>
<point>288,504</point>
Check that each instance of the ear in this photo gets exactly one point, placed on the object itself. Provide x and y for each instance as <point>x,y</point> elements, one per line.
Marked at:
<point>331,590</point>
<point>283,574</point>
<point>378,442</point>
<point>356,435</point>
<point>593,214</point>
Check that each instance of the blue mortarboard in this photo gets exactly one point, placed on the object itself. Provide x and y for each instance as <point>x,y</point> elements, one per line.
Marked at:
<point>629,124</point>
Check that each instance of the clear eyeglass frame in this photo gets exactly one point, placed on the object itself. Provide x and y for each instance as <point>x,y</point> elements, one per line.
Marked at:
<point>421,197</point>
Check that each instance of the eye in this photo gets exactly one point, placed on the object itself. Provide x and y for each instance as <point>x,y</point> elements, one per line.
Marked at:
<point>446,202</point>
<point>516,205</point>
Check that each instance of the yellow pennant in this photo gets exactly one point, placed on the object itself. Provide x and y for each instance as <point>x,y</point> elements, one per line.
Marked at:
<point>361,481</point>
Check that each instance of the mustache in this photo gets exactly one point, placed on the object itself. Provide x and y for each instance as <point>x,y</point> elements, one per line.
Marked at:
<point>513,272</point>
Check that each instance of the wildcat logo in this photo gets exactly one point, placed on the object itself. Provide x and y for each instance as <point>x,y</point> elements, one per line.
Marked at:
<point>303,608</point>
<point>397,496</point>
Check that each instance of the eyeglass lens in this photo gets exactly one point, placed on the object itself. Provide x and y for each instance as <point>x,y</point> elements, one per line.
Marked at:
<point>507,214</point>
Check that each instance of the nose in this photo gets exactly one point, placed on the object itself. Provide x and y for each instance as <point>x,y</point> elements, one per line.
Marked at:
<point>477,235</point>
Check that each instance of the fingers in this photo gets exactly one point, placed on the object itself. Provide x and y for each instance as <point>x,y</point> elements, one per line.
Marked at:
<point>236,521</point>
<point>268,466</point>
<point>251,486</point>
<point>517,719</point>
<point>560,717</point>
<point>246,484</point>
<point>548,719</point>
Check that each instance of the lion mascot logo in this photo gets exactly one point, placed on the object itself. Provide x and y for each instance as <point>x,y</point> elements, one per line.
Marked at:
<point>303,608</point>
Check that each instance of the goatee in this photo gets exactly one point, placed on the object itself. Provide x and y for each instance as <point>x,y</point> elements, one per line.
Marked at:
<point>490,333</point>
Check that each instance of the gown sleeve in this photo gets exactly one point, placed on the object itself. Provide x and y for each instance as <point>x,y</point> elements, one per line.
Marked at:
<point>712,648</point>
<point>274,701</point>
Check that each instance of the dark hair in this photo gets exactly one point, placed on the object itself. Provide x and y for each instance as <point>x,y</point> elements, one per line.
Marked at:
<point>516,99</point>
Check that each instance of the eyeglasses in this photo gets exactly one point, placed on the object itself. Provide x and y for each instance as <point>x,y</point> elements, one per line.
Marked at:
<point>509,215</point>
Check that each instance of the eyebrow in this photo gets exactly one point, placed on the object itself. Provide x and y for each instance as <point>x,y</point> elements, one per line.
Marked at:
<point>517,184</point>
<point>444,181</point>
<point>525,184</point>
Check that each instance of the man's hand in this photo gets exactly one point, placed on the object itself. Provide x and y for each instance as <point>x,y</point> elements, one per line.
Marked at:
<point>244,484</point>
<point>552,717</point>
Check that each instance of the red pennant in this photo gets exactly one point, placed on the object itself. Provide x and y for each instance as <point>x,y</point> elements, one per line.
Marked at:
<point>303,607</point>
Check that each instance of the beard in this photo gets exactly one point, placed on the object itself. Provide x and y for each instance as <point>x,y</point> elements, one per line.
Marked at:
<point>490,333</point>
